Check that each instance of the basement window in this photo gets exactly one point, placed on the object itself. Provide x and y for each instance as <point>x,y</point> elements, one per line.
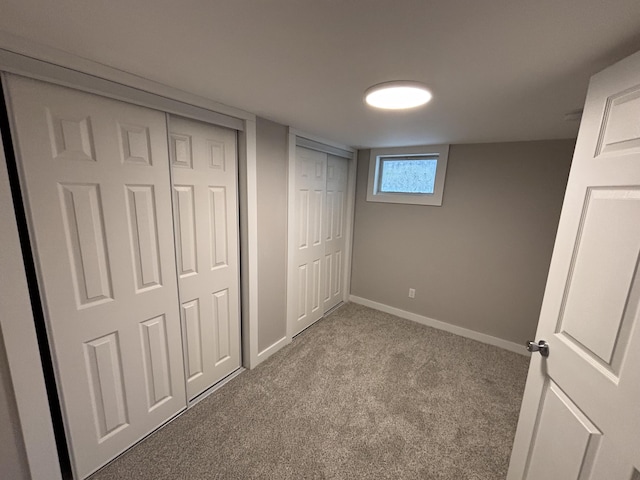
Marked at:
<point>410,175</point>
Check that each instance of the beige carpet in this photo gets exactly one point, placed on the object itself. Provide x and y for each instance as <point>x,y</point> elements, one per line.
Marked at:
<point>359,395</point>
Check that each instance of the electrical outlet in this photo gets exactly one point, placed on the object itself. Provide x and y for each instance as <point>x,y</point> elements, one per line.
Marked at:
<point>412,293</point>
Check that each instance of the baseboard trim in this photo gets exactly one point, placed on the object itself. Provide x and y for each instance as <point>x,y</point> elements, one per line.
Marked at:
<point>447,327</point>
<point>271,349</point>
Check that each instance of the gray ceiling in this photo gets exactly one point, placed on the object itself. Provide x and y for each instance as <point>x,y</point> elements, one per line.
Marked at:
<point>500,70</point>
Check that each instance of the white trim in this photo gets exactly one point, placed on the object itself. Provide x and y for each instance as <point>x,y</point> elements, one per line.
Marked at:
<point>249,243</point>
<point>321,147</point>
<point>376,155</point>
<point>20,65</point>
<point>291,236</point>
<point>21,345</point>
<point>351,210</point>
<point>270,350</point>
<point>447,327</point>
<point>317,139</point>
<point>44,53</point>
<point>23,355</point>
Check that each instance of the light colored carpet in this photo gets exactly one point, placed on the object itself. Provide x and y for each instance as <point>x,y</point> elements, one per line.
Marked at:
<point>361,394</point>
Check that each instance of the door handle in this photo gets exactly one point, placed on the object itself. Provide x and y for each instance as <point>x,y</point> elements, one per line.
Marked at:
<point>542,346</point>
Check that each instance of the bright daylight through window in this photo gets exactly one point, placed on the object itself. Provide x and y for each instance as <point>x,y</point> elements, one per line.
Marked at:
<point>412,175</point>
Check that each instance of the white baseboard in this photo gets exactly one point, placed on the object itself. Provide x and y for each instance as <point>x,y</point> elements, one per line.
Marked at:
<point>271,349</point>
<point>447,327</point>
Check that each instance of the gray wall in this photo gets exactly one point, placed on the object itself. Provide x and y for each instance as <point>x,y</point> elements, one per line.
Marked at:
<point>13,460</point>
<point>479,261</point>
<point>271,148</point>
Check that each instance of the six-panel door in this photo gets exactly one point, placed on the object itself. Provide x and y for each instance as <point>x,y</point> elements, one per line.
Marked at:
<point>580,418</point>
<point>334,231</point>
<point>321,182</point>
<point>95,174</point>
<point>101,204</point>
<point>310,191</point>
<point>204,171</point>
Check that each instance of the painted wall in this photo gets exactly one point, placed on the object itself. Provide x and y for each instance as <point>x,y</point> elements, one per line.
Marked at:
<point>271,152</point>
<point>13,460</point>
<point>271,147</point>
<point>13,303</point>
<point>479,261</point>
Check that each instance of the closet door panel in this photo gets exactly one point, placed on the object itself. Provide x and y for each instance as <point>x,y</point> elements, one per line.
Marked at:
<point>204,172</point>
<point>95,175</point>
<point>310,264</point>
<point>335,218</point>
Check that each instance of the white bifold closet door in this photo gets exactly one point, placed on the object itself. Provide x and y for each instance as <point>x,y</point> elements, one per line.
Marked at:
<point>319,219</point>
<point>334,231</point>
<point>95,173</point>
<point>204,171</point>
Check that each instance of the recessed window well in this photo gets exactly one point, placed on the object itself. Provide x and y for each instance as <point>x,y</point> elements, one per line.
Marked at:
<point>397,95</point>
<point>410,175</point>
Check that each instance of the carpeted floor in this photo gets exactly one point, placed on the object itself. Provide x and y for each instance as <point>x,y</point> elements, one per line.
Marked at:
<point>359,395</point>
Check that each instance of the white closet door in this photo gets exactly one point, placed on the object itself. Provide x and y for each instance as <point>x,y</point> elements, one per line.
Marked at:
<point>307,274</point>
<point>334,231</point>
<point>95,173</point>
<point>204,172</point>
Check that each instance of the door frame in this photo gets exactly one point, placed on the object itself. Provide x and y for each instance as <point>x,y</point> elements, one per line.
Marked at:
<point>29,59</point>
<point>298,138</point>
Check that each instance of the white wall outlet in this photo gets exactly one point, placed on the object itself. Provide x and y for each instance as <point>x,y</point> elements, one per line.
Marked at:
<point>412,293</point>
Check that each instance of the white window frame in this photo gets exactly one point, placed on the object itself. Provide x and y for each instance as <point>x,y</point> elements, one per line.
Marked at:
<point>439,152</point>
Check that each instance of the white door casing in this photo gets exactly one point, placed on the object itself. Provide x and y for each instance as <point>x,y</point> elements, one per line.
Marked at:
<point>95,173</point>
<point>334,231</point>
<point>64,69</point>
<point>204,174</point>
<point>580,417</point>
<point>310,191</point>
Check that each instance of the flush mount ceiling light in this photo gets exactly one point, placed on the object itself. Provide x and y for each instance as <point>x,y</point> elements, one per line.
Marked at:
<point>397,95</point>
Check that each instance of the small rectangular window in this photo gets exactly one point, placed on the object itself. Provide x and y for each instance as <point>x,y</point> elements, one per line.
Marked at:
<point>407,175</point>
<point>412,175</point>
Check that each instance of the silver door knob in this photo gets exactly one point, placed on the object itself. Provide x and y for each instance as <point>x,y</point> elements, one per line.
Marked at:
<point>542,346</point>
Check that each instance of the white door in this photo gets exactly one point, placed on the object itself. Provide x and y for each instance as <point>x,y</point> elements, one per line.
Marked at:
<point>580,417</point>
<point>204,173</point>
<point>95,173</point>
<point>307,271</point>
<point>334,231</point>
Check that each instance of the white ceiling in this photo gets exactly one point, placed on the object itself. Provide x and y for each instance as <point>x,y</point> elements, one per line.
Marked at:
<point>500,70</point>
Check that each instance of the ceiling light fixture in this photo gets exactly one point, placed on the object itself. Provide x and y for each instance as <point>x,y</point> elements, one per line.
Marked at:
<point>397,95</point>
